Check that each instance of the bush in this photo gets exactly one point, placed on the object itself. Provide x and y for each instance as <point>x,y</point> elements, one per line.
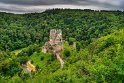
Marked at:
<point>67,52</point>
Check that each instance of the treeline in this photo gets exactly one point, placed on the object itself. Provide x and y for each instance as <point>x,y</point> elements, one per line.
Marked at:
<point>18,31</point>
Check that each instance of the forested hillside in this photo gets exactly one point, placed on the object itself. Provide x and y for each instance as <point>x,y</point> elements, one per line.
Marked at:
<point>98,57</point>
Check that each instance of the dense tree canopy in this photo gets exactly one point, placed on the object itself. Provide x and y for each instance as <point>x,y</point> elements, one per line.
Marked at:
<point>98,56</point>
<point>19,31</point>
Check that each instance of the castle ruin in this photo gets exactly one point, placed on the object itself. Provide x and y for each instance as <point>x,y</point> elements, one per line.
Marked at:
<point>54,45</point>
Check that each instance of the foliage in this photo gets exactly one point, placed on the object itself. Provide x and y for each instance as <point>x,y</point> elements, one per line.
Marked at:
<point>19,31</point>
<point>98,57</point>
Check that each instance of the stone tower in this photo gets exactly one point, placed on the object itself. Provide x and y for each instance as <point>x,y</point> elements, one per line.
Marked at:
<point>56,37</point>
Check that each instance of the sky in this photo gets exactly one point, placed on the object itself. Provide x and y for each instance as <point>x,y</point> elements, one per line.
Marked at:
<point>30,6</point>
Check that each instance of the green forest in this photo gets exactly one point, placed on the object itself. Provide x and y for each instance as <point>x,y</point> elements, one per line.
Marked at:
<point>97,58</point>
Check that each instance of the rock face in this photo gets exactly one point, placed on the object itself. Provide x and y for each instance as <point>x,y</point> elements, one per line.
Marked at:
<point>54,45</point>
<point>28,67</point>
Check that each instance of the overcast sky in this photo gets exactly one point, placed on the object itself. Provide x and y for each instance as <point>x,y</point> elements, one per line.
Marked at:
<point>25,6</point>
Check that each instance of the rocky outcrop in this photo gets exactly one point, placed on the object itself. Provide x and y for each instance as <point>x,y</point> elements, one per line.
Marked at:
<point>28,67</point>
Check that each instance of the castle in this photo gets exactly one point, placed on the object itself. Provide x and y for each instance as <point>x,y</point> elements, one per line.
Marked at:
<point>54,45</point>
<point>55,41</point>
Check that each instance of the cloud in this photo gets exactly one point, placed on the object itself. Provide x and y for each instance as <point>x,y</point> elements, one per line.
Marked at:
<point>25,6</point>
<point>36,2</point>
